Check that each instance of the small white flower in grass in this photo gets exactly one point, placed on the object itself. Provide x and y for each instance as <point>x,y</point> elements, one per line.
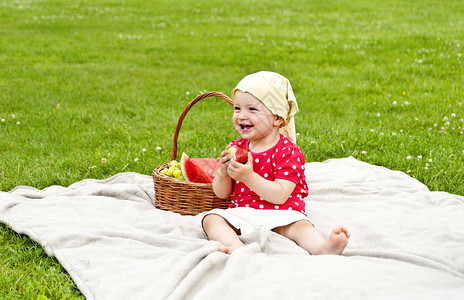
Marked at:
<point>158,148</point>
<point>13,116</point>
<point>395,103</point>
<point>144,150</point>
<point>407,103</point>
<point>372,130</point>
<point>378,114</point>
<point>363,152</point>
<point>426,168</point>
<point>445,119</point>
<point>409,171</point>
<point>136,159</point>
<point>17,123</point>
<point>419,157</point>
<point>103,160</point>
<point>409,157</point>
<point>453,115</point>
<point>430,160</point>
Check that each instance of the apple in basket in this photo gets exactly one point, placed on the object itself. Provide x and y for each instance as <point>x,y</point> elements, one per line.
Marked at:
<point>199,170</point>
<point>239,153</point>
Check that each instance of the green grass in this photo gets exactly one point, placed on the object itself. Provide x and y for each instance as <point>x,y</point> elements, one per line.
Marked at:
<point>26,271</point>
<point>86,80</point>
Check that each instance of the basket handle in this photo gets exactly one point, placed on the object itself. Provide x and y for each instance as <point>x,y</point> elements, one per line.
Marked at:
<point>184,113</point>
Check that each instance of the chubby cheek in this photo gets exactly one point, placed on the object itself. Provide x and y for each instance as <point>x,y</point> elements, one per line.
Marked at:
<point>235,120</point>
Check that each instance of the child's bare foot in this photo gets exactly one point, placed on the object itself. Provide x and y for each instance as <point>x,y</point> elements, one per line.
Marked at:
<point>336,243</point>
<point>227,249</point>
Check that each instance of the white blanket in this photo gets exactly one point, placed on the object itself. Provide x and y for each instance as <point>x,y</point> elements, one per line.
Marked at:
<point>406,242</point>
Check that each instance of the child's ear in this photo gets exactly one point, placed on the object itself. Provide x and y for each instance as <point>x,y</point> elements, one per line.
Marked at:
<point>278,121</point>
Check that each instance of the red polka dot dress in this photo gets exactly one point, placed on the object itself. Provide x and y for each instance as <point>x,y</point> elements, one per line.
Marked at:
<point>285,161</point>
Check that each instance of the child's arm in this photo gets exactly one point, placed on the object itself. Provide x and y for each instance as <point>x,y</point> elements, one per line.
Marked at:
<point>222,183</point>
<point>276,192</point>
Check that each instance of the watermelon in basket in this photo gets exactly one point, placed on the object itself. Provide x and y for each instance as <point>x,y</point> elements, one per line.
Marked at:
<point>184,196</point>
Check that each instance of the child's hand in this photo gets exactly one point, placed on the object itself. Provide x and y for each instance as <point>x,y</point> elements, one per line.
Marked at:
<point>224,162</point>
<point>222,183</point>
<point>241,172</point>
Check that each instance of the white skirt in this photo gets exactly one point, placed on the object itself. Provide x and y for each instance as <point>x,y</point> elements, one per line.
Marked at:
<point>248,219</point>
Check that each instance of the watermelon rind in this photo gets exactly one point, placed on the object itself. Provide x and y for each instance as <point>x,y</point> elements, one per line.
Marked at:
<point>183,159</point>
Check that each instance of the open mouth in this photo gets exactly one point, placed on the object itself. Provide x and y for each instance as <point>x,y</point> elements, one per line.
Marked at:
<point>245,127</point>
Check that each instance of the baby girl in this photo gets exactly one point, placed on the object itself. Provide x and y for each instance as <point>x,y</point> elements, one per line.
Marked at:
<point>269,190</point>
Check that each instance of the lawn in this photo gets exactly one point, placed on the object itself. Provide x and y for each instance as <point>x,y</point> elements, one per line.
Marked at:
<point>89,89</point>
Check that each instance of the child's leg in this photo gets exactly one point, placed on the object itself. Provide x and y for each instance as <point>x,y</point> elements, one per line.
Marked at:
<point>307,237</point>
<point>218,229</point>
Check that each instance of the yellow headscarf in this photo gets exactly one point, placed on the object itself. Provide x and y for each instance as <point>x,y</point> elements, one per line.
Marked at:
<point>275,92</point>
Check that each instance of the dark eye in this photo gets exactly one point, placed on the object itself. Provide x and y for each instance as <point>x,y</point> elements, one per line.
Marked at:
<point>236,108</point>
<point>252,108</point>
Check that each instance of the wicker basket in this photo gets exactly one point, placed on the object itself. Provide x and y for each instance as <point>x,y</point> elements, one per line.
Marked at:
<point>180,196</point>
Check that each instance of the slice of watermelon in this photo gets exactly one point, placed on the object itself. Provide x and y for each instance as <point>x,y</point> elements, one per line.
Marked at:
<point>193,171</point>
<point>209,165</point>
